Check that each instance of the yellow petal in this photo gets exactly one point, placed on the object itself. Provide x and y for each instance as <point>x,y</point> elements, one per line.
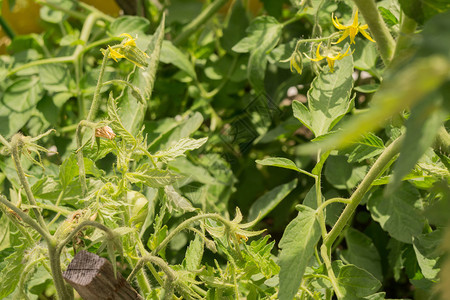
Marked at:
<point>344,35</point>
<point>337,24</point>
<point>312,59</point>
<point>355,20</point>
<point>366,35</point>
<point>318,52</point>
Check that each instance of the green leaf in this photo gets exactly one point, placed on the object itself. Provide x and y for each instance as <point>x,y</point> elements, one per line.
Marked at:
<point>423,10</point>
<point>428,249</point>
<point>11,270</point>
<point>68,170</point>
<point>179,148</point>
<point>388,17</point>
<point>297,244</point>
<point>400,89</point>
<point>367,88</point>
<point>329,97</point>
<point>302,114</point>
<point>54,78</point>
<point>177,201</point>
<point>194,254</point>
<point>266,31</point>
<point>116,124</point>
<point>421,129</point>
<point>176,131</point>
<point>343,175</point>
<point>280,162</point>
<point>172,55</point>
<point>132,111</point>
<point>261,28</point>
<point>129,24</point>
<point>368,147</point>
<point>18,104</point>
<point>354,282</point>
<point>399,213</point>
<point>267,202</point>
<point>152,177</point>
<point>362,253</point>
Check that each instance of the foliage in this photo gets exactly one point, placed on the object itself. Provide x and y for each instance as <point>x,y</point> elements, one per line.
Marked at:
<point>216,151</point>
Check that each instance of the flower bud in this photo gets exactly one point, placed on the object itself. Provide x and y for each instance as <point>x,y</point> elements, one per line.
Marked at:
<point>105,132</point>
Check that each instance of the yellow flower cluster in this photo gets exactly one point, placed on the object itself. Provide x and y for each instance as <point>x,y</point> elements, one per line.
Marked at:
<point>332,54</point>
<point>128,50</point>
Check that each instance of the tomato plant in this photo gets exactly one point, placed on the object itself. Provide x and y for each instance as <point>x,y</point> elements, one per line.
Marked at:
<point>229,149</point>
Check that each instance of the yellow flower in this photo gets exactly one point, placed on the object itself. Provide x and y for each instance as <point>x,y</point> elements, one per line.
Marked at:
<point>351,30</point>
<point>128,50</point>
<point>114,54</point>
<point>330,55</point>
<point>130,41</point>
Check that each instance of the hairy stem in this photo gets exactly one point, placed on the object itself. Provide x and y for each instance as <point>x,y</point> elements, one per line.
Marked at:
<point>378,28</point>
<point>185,225</point>
<point>96,100</point>
<point>16,145</point>
<point>27,219</point>
<point>375,171</point>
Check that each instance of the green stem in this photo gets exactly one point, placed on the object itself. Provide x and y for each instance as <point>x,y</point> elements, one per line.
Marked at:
<point>27,219</point>
<point>378,28</point>
<point>96,100</point>
<point>17,143</point>
<point>404,40</point>
<point>80,226</point>
<point>374,172</point>
<point>63,59</point>
<point>318,185</point>
<point>6,28</point>
<point>131,86</point>
<point>80,159</point>
<point>55,265</point>
<point>184,225</point>
<point>201,19</point>
<point>326,254</point>
<point>334,200</point>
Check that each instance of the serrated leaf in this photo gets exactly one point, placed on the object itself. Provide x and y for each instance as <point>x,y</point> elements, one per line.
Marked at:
<point>132,111</point>
<point>179,148</point>
<point>152,177</point>
<point>297,244</point>
<point>11,271</point>
<point>266,203</point>
<point>421,129</point>
<point>194,254</point>
<point>177,201</point>
<point>370,146</point>
<point>116,123</point>
<point>399,213</point>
